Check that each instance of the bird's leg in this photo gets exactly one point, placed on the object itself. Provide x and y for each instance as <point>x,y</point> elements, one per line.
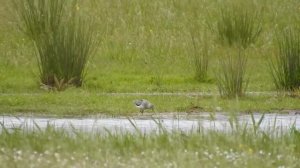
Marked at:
<point>142,111</point>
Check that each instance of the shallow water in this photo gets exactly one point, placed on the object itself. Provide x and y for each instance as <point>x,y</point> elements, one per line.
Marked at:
<point>147,124</point>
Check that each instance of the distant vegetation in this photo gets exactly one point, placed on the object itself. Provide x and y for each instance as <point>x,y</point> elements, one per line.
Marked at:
<point>238,23</point>
<point>286,66</point>
<point>152,46</point>
<point>224,49</point>
<point>231,76</point>
<point>63,39</point>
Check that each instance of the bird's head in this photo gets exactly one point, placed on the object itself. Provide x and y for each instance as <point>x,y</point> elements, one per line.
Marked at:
<point>137,102</point>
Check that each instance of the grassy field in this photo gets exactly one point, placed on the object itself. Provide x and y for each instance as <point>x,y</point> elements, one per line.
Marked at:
<point>145,47</point>
<point>147,50</point>
<point>75,103</point>
<point>241,148</point>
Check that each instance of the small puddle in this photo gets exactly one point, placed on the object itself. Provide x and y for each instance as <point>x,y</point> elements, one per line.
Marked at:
<point>147,124</point>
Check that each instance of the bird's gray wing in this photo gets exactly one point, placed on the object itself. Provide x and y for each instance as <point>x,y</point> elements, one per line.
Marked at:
<point>147,104</point>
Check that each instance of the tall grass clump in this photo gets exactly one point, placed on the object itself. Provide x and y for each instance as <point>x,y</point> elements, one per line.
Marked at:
<point>285,68</point>
<point>200,56</point>
<point>62,38</point>
<point>238,24</point>
<point>231,75</point>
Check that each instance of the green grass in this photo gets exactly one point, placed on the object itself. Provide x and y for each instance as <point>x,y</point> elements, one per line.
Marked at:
<point>286,67</point>
<point>83,103</point>
<point>238,23</point>
<point>199,52</point>
<point>58,148</point>
<point>144,48</point>
<point>62,38</point>
<point>232,77</point>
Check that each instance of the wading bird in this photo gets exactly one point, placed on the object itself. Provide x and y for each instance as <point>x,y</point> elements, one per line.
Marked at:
<point>143,104</point>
